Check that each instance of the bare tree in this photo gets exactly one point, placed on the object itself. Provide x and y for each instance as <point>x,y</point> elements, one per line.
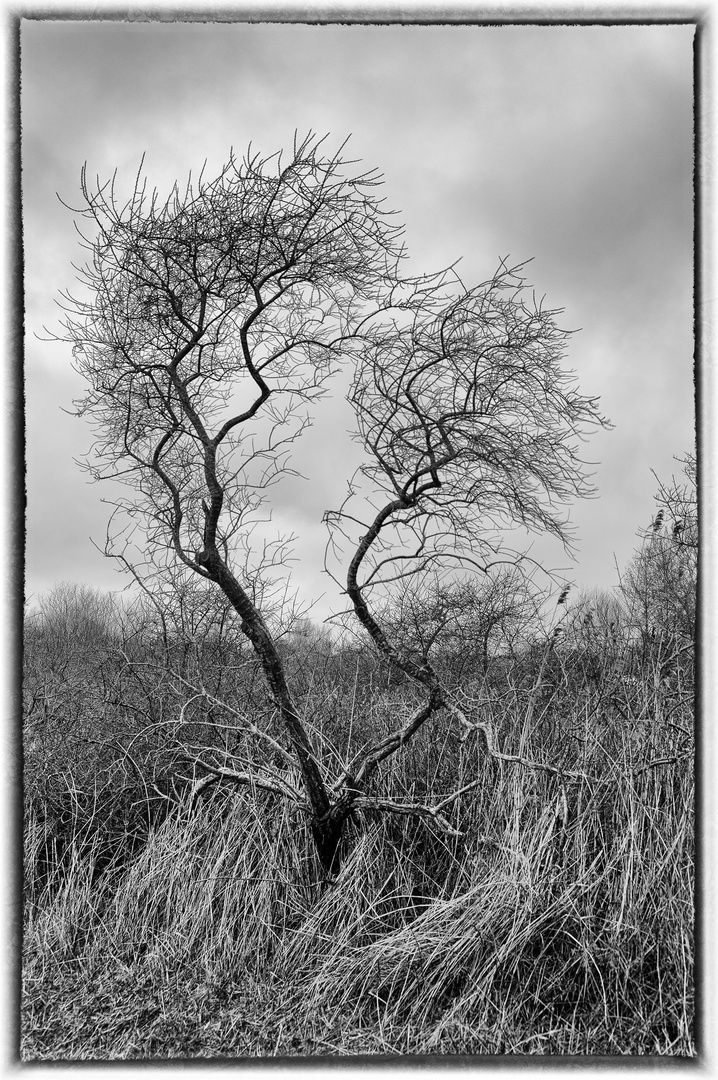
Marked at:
<point>208,324</point>
<point>660,585</point>
<point>67,639</point>
<point>471,427</point>
<point>462,622</point>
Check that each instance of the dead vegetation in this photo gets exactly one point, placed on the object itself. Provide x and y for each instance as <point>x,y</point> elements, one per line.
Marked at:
<point>559,921</point>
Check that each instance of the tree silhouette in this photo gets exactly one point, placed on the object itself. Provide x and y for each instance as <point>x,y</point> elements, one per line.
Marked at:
<point>206,325</point>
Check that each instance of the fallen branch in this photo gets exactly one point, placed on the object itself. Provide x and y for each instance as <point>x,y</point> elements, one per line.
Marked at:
<point>552,770</point>
<point>660,761</point>
<point>368,802</point>
<point>273,783</point>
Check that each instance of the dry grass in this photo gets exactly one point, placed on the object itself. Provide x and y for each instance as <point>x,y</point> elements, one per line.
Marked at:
<point>562,922</point>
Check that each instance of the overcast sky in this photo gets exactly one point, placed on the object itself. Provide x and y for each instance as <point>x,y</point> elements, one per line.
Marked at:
<point>569,145</point>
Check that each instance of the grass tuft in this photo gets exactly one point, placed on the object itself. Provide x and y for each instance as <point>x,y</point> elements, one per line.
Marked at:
<point>560,922</point>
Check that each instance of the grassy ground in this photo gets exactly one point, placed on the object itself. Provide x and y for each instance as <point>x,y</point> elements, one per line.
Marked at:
<point>560,923</point>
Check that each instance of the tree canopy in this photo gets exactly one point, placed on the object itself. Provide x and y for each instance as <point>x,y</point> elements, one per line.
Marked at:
<point>209,321</point>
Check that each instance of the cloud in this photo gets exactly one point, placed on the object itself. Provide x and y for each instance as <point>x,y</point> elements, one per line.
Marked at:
<point>570,144</point>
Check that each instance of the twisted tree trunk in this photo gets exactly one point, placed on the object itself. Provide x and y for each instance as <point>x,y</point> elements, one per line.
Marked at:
<point>327,820</point>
